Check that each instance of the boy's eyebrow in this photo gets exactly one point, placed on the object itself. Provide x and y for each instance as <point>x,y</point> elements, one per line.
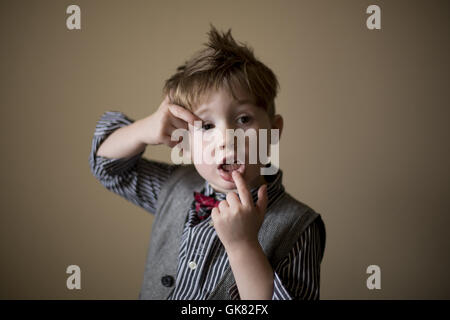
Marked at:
<point>202,110</point>
<point>244,101</point>
<point>236,103</point>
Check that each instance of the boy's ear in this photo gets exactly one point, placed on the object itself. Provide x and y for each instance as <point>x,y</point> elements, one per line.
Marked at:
<point>277,123</point>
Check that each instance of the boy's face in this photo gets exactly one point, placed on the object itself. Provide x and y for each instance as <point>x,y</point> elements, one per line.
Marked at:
<point>219,112</point>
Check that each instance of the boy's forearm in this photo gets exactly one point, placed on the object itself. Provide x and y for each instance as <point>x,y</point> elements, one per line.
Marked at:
<point>252,272</point>
<point>124,142</point>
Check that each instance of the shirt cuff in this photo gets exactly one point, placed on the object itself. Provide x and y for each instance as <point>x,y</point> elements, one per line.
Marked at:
<point>103,167</point>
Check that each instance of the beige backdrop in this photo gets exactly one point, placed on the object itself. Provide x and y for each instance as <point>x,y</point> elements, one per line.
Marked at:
<point>365,141</point>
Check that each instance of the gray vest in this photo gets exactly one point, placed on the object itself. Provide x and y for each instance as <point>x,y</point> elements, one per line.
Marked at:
<point>283,223</point>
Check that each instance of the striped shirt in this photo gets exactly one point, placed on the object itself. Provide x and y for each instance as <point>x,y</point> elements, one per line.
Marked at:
<point>202,258</point>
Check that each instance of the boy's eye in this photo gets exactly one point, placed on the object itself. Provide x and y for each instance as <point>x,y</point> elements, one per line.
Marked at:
<point>244,119</point>
<point>207,126</point>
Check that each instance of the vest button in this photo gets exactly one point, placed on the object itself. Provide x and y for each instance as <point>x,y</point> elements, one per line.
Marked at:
<point>167,281</point>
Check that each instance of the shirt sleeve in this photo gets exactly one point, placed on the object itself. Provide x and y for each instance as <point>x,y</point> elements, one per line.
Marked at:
<point>135,178</point>
<point>297,276</point>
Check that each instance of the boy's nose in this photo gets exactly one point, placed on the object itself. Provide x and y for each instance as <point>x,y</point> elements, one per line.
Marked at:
<point>232,149</point>
<point>223,138</point>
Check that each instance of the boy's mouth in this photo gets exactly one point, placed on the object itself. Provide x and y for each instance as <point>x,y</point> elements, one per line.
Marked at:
<point>227,167</point>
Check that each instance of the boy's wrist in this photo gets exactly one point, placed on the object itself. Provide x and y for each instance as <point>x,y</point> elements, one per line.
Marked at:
<point>243,247</point>
<point>142,126</point>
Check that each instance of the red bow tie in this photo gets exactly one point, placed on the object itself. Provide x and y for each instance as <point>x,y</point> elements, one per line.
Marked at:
<point>204,204</point>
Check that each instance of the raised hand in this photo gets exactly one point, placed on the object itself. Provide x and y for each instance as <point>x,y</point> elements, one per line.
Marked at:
<point>237,220</point>
<point>158,127</point>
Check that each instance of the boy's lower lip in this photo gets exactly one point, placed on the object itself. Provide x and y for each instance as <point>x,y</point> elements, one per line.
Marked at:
<point>226,175</point>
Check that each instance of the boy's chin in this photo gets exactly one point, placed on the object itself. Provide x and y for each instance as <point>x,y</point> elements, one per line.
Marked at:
<point>223,186</point>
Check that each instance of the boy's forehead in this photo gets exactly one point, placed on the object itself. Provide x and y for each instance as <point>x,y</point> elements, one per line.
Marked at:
<point>222,98</point>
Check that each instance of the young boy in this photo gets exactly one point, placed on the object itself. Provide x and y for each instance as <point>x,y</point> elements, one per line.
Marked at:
<point>221,230</point>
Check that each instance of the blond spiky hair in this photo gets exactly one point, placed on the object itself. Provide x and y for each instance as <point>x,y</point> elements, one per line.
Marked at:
<point>223,63</point>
